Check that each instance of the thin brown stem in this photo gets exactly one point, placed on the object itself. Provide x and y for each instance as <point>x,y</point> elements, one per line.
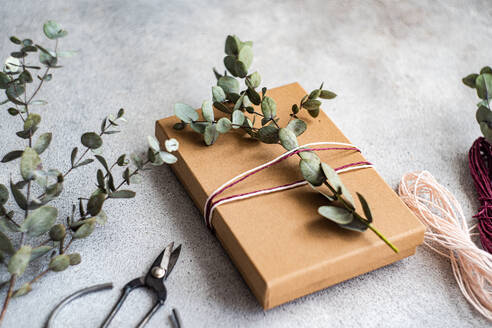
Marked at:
<point>10,292</point>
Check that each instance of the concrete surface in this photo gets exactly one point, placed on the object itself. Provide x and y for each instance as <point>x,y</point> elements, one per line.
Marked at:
<point>397,68</point>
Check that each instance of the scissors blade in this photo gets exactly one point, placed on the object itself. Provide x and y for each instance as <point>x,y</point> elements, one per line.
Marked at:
<point>166,256</point>
<point>172,260</point>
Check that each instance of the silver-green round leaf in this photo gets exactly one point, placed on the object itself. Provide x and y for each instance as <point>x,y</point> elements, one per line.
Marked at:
<point>336,214</point>
<point>185,112</point>
<point>207,111</point>
<point>91,140</point>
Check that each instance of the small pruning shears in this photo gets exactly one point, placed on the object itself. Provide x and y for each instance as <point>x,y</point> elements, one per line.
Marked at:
<point>153,280</point>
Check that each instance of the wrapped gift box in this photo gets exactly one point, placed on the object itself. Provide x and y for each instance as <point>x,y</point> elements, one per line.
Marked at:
<point>278,242</point>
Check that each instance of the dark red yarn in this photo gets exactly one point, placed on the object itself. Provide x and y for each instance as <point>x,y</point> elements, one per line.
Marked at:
<point>480,161</point>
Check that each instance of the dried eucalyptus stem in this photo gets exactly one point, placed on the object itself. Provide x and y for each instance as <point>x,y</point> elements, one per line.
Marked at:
<point>238,106</point>
<point>43,185</point>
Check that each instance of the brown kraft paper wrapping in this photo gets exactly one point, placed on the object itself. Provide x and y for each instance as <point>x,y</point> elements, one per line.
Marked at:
<point>283,248</point>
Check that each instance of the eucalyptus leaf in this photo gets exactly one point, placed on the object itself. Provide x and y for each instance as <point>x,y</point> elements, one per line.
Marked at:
<point>199,126</point>
<point>40,251</point>
<point>237,119</point>
<point>365,207</point>
<point>218,94</point>
<point>31,121</point>
<point>19,261</point>
<point>224,125</point>
<point>39,221</point>
<point>297,126</point>
<point>185,113</point>
<point>311,104</point>
<point>25,289</point>
<point>246,56</point>
<point>171,145</point>
<point>167,157</point>
<point>12,155</point>
<point>268,108</point>
<point>336,214</point>
<point>230,64</point>
<point>53,30</point>
<point>311,171</point>
<point>4,80</point>
<point>84,230</point>
<point>232,45</point>
<point>337,184</point>
<point>57,232</point>
<point>91,140</point>
<point>43,142</point>
<point>122,194</point>
<point>228,84</point>
<point>253,80</point>
<point>210,135</point>
<point>483,85</point>
<point>30,162</point>
<point>288,138</point>
<point>325,94</point>
<point>207,111</point>
<point>483,114</point>
<point>269,134</point>
<point>59,263</point>
<point>19,197</point>
<point>95,203</point>
<point>75,258</point>
<point>153,143</point>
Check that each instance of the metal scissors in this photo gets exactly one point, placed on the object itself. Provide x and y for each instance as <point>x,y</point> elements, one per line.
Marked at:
<point>153,280</point>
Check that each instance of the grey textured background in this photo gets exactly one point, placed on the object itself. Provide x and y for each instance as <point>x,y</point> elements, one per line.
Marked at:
<point>397,68</point>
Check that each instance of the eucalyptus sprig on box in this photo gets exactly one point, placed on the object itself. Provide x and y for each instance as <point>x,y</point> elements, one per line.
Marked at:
<point>36,230</point>
<point>238,105</point>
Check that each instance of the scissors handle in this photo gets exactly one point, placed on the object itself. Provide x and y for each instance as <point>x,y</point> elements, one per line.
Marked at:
<point>135,283</point>
<point>149,314</point>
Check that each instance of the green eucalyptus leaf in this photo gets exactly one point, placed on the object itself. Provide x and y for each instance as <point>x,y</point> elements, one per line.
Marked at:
<point>19,197</point>
<point>314,112</point>
<point>25,77</point>
<point>91,140</point>
<point>312,104</point>
<point>153,143</point>
<point>315,94</point>
<point>179,126</point>
<point>483,85</point>
<point>223,108</point>
<point>122,194</point>
<point>224,125</point>
<point>84,162</point>
<point>337,184</point>
<point>228,84</point>
<point>171,145</point>
<point>13,91</point>
<point>237,119</point>
<point>246,56</point>
<point>95,203</point>
<point>4,80</point>
<point>53,30</point>
<point>218,94</point>
<point>297,126</point>
<point>31,122</point>
<point>254,80</point>
<point>4,194</point>
<point>15,40</point>
<point>486,131</point>
<point>199,126</point>
<point>240,69</point>
<point>5,244</point>
<point>47,58</point>
<point>232,45</point>
<point>102,218</point>
<point>40,251</point>
<point>85,230</point>
<point>210,135</point>
<point>365,207</point>
<point>469,80</point>
<point>59,263</point>
<point>288,138</point>
<point>336,214</point>
<point>19,261</point>
<point>486,69</point>
<point>43,142</point>
<point>207,111</point>
<point>12,155</point>
<point>230,64</point>
<point>185,112</point>
<point>137,161</point>
<point>325,94</point>
<point>253,96</point>
<point>311,171</point>
<point>483,114</point>
<point>25,289</point>
<point>39,221</point>
<point>167,157</point>
<point>75,258</point>
<point>39,102</point>
<point>268,108</point>
<point>269,134</point>
<point>57,232</point>
<point>30,162</point>
<point>355,225</point>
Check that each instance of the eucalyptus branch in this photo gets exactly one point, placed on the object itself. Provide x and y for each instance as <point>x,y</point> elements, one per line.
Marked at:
<point>39,219</point>
<point>237,104</point>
